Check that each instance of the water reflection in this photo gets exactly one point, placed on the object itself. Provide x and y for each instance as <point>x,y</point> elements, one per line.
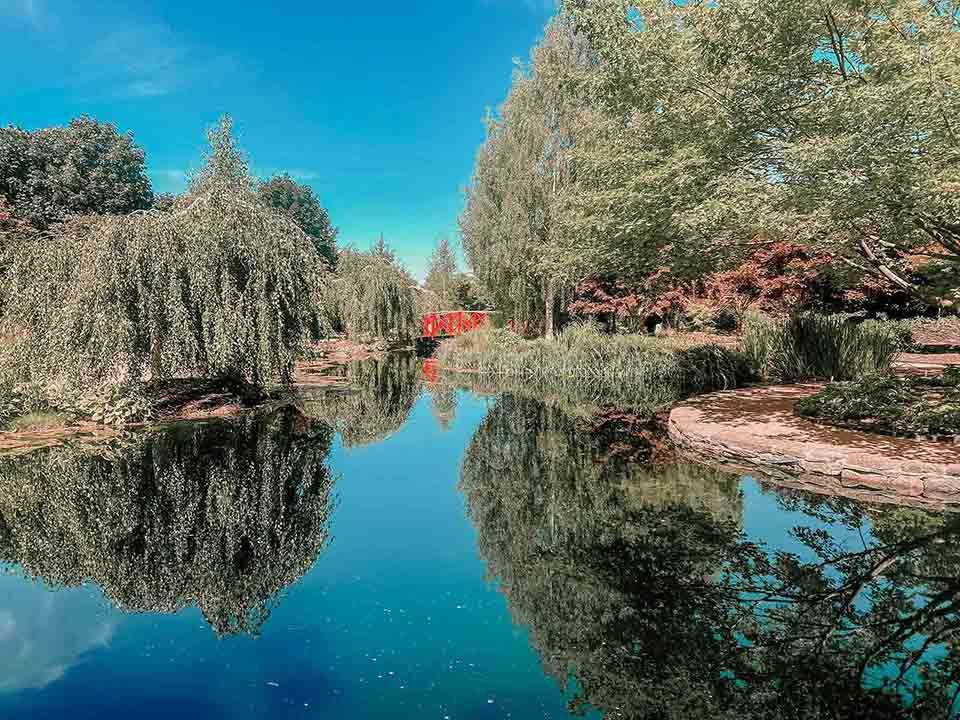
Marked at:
<point>221,516</point>
<point>43,634</point>
<point>642,591</point>
<point>381,395</point>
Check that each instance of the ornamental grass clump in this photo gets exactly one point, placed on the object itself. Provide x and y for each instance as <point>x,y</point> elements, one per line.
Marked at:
<point>808,346</point>
<point>218,286</point>
<point>630,368</point>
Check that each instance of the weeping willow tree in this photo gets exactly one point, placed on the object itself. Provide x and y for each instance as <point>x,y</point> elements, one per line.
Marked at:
<point>220,516</point>
<point>218,285</point>
<point>372,296</point>
<point>383,392</point>
<point>520,174</point>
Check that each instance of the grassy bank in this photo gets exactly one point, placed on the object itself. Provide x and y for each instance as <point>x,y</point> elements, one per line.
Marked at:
<point>610,368</point>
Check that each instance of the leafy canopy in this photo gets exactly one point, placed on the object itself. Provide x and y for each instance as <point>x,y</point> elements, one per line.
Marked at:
<point>300,204</point>
<point>718,123</point>
<point>86,167</point>
<point>217,285</point>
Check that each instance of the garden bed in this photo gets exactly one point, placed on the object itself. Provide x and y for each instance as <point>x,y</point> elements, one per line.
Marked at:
<point>912,406</point>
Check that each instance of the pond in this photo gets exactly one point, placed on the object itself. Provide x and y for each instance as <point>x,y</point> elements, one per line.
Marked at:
<point>424,551</point>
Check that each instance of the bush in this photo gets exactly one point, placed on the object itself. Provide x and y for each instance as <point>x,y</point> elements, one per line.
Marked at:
<point>890,405</point>
<point>372,297</point>
<point>111,404</point>
<point>86,167</point>
<point>807,346</point>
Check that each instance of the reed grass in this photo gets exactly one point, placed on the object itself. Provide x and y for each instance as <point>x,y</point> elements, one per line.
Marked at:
<point>586,362</point>
<point>807,346</point>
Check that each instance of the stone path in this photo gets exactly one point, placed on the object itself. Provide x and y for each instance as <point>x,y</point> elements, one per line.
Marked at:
<point>755,429</point>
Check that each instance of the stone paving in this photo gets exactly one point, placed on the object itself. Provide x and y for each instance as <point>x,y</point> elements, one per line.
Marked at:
<point>755,429</point>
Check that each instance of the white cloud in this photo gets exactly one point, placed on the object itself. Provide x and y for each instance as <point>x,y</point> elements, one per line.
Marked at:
<point>146,60</point>
<point>43,634</point>
<point>124,55</point>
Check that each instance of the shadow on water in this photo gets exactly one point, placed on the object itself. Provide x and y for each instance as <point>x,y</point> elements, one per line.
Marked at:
<point>222,516</point>
<point>643,593</point>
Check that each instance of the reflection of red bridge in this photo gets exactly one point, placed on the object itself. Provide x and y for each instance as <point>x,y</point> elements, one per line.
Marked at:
<point>456,322</point>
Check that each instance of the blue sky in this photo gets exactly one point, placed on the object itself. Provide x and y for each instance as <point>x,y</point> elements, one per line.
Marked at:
<point>378,106</point>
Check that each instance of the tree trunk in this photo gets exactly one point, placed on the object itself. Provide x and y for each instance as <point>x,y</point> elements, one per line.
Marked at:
<point>549,301</point>
<point>885,271</point>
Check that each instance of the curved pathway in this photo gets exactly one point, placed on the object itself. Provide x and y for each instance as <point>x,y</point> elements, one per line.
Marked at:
<point>756,429</point>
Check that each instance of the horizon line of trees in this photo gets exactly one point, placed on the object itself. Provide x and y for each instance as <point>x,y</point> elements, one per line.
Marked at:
<point>103,281</point>
<point>654,143</point>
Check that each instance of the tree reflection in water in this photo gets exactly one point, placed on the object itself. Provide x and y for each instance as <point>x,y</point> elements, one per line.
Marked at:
<point>222,515</point>
<point>640,586</point>
<point>383,392</point>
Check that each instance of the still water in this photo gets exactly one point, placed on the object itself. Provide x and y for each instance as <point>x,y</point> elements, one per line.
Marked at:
<point>427,552</point>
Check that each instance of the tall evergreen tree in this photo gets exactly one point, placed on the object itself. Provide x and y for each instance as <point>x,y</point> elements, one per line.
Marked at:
<point>442,273</point>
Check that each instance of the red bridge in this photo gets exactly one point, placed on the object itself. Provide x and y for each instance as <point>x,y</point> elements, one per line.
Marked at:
<point>455,322</point>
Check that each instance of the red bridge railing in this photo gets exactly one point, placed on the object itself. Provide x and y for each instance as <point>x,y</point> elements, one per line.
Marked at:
<point>455,322</point>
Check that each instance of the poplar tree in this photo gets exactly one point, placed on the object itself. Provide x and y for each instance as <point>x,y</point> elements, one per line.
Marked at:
<point>520,173</point>
<point>442,274</point>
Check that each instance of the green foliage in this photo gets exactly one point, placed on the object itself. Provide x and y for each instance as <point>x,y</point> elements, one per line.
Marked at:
<point>808,346</point>
<point>441,274</point>
<point>708,317</point>
<point>300,204</point>
<point>86,167</point>
<point>521,168</point>
<point>644,598</point>
<point>221,516</point>
<point>901,332</point>
<point>890,405</point>
<point>225,165</point>
<point>217,286</point>
<point>718,123</point>
<point>111,404</point>
<point>382,393</point>
<point>372,297</point>
<point>629,368</point>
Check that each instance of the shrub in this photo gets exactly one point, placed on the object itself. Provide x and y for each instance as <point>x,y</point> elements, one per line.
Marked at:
<point>889,404</point>
<point>807,346</point>
<point>630,368</point>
